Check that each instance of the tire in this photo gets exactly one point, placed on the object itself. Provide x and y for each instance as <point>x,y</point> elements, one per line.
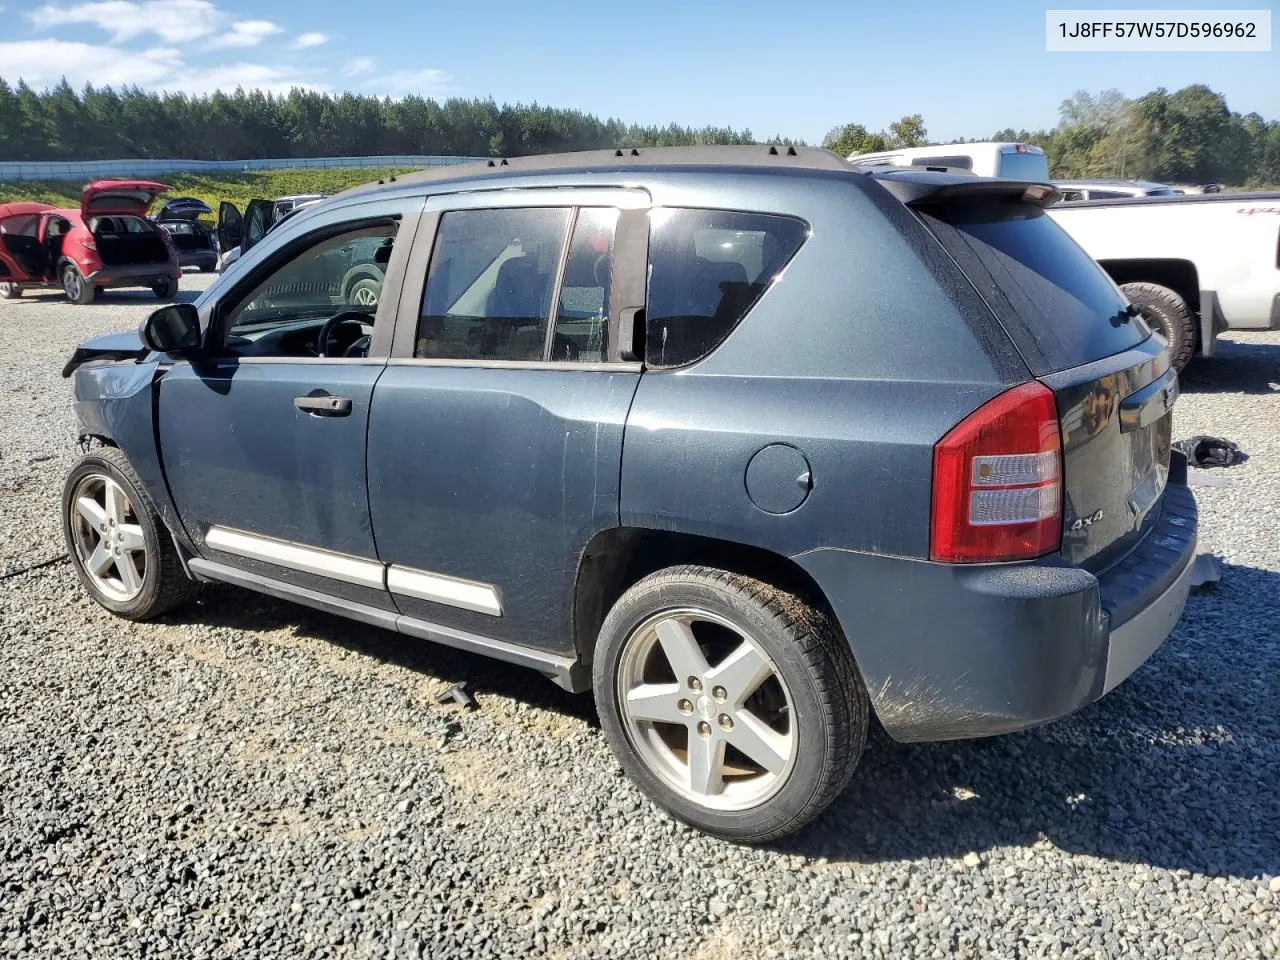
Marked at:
<point>809,716</point>
<point>161,584</point>
<point>10,291</point>
<point>361,285</point>
<point>73,286</point>
<point>1168,314</point>
<point>165,289</point>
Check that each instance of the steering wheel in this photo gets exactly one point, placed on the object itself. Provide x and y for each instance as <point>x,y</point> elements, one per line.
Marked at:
<point>359,348</point>
<point>343,318</point>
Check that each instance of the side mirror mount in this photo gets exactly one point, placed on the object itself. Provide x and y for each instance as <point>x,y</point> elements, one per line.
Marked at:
<point>173,329</point>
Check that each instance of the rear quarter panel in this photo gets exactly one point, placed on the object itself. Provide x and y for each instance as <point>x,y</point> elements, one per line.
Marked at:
<point>867,350</point>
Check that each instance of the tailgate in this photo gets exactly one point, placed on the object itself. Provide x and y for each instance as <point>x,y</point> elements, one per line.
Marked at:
<point>1117,424</point>
<point>1110,376</point>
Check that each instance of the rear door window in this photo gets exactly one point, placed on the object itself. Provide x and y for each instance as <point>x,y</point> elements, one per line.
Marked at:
<point>707,268</point>
<point>1058,305</point>
<point>490,284</point>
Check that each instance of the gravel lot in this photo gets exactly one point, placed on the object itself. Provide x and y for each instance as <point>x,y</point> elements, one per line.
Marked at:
<point>254,779</point>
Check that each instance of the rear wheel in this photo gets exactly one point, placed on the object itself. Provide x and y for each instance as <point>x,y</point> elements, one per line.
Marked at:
<point>734,705</point>
<point>1169,315</point>
<point>10,291</point>
<point>73,285</point>
<point>165,289</point>
<point>120,549</point>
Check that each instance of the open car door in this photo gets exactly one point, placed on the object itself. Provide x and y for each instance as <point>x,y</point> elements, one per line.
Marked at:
<point>21,255</point>
<point>258,217</point>
<point>230,226</point>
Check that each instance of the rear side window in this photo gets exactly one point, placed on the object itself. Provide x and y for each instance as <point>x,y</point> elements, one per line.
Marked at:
<point>1068,309</point>
<point>706,270</point>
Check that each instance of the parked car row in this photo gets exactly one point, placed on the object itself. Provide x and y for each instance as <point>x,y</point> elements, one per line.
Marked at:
<point>929,475</point>
<point>107,242</point>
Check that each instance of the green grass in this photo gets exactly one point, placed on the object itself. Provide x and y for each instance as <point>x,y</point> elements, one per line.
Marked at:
<point>239,188</point>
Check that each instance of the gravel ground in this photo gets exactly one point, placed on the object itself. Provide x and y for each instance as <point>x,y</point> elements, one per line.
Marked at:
<point>253,779</point>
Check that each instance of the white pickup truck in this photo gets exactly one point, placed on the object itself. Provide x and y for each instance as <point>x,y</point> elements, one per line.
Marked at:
<point>1195,265</point>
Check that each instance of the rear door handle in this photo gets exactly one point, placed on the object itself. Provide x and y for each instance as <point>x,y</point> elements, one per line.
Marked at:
<point>324,406</point>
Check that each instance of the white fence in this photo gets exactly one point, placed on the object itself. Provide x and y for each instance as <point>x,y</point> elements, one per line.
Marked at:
<point>91,169</point>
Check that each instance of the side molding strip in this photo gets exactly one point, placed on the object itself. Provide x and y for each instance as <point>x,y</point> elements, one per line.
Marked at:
<point>405,581</point>
<point>566,672</point>
<point>437,588</point>
<point>323,563</point>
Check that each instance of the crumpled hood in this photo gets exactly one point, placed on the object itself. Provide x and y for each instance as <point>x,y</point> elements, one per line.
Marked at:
<point>113,346</point>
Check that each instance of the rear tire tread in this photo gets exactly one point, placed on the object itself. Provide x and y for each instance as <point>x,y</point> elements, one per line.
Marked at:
<point>842,696</point>
<point>1174,317</point>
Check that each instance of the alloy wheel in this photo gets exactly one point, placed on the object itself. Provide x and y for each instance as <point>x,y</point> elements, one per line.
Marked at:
<point>364,295</point>
<point>71,282</point>
<point>108,537</point>
<point>706,709</point>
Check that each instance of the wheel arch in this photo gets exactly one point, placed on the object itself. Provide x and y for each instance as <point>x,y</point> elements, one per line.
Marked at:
<point>361,271</point>
<point>618,557</point>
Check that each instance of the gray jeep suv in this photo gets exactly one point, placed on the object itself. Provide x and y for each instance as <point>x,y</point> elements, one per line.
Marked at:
<point>747,441</point>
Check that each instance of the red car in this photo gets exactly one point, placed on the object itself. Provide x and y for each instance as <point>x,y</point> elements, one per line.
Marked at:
<point>108,242</point>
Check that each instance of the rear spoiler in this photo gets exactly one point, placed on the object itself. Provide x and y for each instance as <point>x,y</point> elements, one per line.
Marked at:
<point>927,188</point>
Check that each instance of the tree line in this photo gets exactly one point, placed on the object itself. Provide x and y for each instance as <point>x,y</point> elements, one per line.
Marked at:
<point>104,124</point>
<point>1187,136</point>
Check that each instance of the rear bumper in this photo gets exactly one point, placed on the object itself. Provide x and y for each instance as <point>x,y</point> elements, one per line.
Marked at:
<point>134,274</point>
<point>953,651</point>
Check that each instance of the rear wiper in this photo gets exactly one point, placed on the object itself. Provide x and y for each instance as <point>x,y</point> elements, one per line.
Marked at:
<point>1125,315</point>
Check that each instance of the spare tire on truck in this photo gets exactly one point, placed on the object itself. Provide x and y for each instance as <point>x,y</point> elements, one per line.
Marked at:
<point>1169,315</point>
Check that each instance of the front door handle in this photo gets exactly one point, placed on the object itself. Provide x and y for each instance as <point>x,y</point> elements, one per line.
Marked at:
<point>324,406</point>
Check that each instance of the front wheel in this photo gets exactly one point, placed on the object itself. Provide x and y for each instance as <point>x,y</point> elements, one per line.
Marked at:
<point>165,289</point>
<point>73,286</point>
<point>1169,315</point>
<point>10,291</point>
<point>734,705</point>
<point>118,546</point>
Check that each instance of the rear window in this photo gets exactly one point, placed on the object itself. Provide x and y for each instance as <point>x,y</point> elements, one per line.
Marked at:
<point>1024,166</point>
<point>707,268</point>
<point>1057,304</point>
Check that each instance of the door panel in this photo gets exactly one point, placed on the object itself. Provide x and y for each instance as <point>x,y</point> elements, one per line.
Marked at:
<point>496,476</point>
<point>230,226</point>
<point>242,457</point>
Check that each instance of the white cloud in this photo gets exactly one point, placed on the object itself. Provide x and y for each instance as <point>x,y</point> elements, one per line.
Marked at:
<point>246,33</point>
<point>402,83</point>
<point>358,65</point>
<point>174,21</point>
<point>310,40</point>
<point>43,63</point>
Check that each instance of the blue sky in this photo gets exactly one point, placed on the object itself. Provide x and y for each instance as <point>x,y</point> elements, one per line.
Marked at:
<point>793,69</point>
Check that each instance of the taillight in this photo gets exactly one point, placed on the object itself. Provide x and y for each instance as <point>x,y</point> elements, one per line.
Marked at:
<point>997,481</point>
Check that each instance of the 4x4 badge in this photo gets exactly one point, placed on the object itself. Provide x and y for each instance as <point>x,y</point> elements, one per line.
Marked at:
<point>1086,521</point>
